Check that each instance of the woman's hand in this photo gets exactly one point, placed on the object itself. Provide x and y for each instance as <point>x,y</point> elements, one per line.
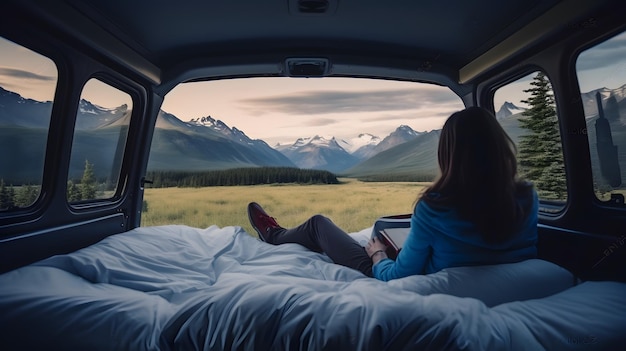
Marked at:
<point>376,250</point>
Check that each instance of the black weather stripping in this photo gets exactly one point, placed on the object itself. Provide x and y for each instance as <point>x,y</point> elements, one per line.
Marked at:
<point>312,6</point>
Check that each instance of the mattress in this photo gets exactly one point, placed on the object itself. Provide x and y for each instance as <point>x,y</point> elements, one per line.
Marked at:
<point>183,288</point>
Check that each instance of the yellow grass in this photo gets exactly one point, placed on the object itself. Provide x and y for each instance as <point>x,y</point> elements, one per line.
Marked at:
<point>353,205</point>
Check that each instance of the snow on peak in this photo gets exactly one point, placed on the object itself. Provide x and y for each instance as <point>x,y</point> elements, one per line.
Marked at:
<point>508,109</point>
<point>214,124</point>
<point>207,121</point>
<point>512,107</point>
<point>406,130</point>
<point>316,141</point>
<point>87,107</point>
<point>300,142</point>
<point>363,139</point>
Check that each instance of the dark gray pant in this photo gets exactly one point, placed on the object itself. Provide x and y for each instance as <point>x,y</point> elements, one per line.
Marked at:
<point>320,234</point>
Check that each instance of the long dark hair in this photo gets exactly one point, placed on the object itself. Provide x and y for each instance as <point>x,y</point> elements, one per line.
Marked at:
<point>479,174</point>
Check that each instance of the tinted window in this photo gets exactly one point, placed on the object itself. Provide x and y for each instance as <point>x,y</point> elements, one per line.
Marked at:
<point>526,110</point>
<point>602,77</point>
<point>99,140</point>
<point>27,84</point>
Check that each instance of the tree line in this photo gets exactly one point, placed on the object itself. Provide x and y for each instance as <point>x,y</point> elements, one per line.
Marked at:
<point>88,187</point>
<point>24,195</point>
<point>240,176</point>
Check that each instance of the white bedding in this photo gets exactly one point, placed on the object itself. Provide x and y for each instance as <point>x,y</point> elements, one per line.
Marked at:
<point>176,287</point>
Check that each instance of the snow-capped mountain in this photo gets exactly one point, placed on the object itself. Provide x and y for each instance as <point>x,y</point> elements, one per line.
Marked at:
<point>508,109</point>
<point>401,135</point>
<point>208,144</point>
<point>318,153</point>
<point>209,122</point>
<point>337,155</point>
<point>362,140</point>
<point>92,116</point>
<point>361,143</point>
<point>18,111</point>
<point>362,146</point>
<point>221,127</point>
<point>414,159</point>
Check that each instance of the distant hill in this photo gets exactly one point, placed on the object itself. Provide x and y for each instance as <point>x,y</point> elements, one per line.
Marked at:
<point>207,144</point>
<point>16,111</point>
<point>401,135</point>
<point>31,142</point>
<point>416,158</point>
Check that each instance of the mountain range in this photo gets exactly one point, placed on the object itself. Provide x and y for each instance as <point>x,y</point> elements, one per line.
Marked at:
<point>205,143</point>
<point>339,155</point>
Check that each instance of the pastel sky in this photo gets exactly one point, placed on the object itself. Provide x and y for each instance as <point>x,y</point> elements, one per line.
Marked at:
<point>283,109</point>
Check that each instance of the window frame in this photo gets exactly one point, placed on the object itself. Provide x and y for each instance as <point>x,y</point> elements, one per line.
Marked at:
<point>7,212</point>
<point>36,207</point>
<point>583,212</point>
<point>550,209</point>
<point>589,44</point>
<point>120,187</point>
<point>74,69</point>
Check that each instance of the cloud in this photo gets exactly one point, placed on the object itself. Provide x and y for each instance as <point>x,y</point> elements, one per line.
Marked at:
<point>605,54</point>
<point>413,115</point>
<point>10,86</point>
<point>320,122</point>
<point>335,101</point>
<point>21,74</point>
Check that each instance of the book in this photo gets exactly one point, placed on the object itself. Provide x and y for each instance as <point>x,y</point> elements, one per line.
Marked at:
<point>392,231</point>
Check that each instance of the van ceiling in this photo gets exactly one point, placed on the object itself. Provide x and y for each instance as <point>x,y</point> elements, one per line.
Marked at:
<point>162,38</point>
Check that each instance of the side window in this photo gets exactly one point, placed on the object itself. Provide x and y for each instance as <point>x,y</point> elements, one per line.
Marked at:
<point>99,140</point>
<point>27,84</point>
<point>526,110</point>
<point>601,73</point>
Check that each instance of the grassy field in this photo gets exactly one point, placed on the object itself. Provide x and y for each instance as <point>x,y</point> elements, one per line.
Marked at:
<point>353,205</point>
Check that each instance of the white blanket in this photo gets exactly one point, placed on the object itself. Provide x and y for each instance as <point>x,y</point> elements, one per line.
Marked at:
<point>176,287</point>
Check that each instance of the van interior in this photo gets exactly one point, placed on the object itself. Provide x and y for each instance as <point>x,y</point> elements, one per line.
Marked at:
<point>99,132</point>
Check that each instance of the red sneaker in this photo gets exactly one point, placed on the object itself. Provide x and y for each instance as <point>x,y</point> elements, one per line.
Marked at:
<point>261,221</point>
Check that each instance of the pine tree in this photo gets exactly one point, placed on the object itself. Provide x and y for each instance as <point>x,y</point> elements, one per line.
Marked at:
<point>88,186</point>
<point>26,195</point>
<point>540,151</point>
<point>6,196</point>
<point>73,192</point>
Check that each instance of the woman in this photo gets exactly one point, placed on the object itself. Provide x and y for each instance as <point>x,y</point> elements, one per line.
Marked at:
<point>477,211</point>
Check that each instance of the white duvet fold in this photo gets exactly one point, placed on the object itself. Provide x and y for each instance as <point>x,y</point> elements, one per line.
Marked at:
<point>182,288</point>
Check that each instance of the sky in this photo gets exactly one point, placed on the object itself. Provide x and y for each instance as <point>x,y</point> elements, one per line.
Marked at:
<point>283,109</point>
